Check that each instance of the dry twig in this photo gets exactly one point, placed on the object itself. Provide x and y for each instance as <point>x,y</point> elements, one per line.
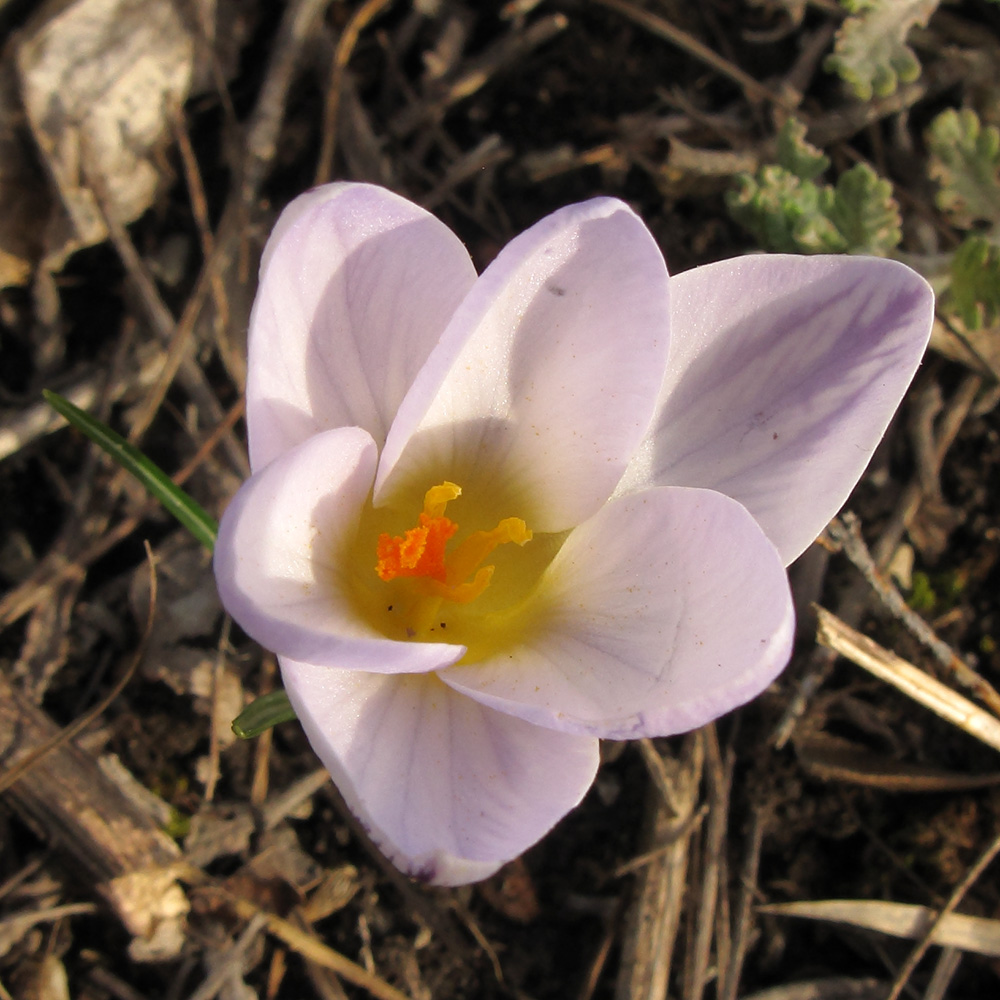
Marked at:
<point>847,534</point>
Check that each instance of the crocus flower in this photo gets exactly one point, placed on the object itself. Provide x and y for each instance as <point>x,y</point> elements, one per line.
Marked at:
<point>492,519</point>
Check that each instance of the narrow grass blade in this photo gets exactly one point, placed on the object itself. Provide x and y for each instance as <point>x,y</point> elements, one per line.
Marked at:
<point>263,713</point>
<point>190,513</point>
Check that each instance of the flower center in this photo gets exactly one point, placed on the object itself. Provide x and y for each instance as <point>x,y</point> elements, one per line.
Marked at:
<point>421,553</point>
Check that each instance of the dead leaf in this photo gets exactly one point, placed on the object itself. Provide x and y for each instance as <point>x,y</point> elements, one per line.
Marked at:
<point>24,196</point>
<point>98,78</point>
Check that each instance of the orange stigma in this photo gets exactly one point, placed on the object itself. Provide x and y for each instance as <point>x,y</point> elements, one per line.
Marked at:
<point>418,552</point>
<point>421,551</point>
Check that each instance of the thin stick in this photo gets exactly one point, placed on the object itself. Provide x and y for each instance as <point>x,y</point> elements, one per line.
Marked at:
<point>67,733</point>
<point>905,677</point>
<point>262,745</point>
<point>748,880</point>
<point>230,964</point>
<point>661,27</point>
<point>213,716</point>
<point>949,425</point>
<point>161,319</point>
<point>311,948</point>
<point>847,534</point>
<point>718,795</point>
<point>346,44</point>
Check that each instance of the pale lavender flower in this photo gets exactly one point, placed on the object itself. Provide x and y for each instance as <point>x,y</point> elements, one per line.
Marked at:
<point>493,519</point>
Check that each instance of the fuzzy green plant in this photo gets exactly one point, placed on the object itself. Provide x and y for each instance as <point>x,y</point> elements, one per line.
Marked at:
<point>789,211</point>
<point>870,52</point>
<point>964,161</point>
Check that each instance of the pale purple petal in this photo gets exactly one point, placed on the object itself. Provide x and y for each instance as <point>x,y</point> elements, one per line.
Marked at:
<point>282,561</point>
<point>546,378</point>
<point>449,789</point>
<point>783,375</point>
<point>356,287</point>
<point>662,612</point>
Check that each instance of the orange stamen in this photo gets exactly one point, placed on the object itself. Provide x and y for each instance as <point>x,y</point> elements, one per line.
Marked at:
<point>420,551</point>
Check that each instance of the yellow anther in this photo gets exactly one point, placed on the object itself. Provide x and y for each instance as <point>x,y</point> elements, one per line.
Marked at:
<point>480,544</point>
<point>438,497</point>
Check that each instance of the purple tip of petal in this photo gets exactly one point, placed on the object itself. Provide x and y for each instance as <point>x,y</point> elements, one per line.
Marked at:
<point>783,376</point>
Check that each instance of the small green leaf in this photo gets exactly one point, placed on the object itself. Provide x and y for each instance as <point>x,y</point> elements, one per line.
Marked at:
<point>974,293</point>
<point>783,212</point>
<point>263,713</point>
<point>965,161</point>
<point>870,53</point>
<point>789,214</point>
<point>178,826</point>
<point>865,212</point>
<point>175,500</point>
<point>798,156</point>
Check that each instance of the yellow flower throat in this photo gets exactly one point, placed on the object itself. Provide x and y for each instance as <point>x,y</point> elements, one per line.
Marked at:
<point>421,553</point>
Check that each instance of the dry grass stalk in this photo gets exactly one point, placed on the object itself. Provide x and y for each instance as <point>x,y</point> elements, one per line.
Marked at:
<point>905,677</point>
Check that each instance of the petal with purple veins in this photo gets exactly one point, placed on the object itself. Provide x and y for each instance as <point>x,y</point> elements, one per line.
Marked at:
<point>546,379</point>
<point>783,375</point>
<point>449,789</point>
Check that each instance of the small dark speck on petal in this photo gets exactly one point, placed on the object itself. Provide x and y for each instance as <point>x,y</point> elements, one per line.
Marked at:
<point>556,290</point>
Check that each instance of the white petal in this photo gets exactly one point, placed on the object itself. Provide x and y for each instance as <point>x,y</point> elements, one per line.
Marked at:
<point>546,378</point>
<point>281,559</point>
<point>783,375</point>
<point>356,287</point>
<point>667,609</point>
<point>448,789</point>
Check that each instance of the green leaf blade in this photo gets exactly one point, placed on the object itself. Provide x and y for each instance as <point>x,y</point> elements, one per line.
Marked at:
<point>262,714</point>
<point>187,510</point>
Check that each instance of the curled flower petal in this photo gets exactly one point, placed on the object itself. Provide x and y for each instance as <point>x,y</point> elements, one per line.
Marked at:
<point>547,376</point>
<point>280,559</point>
<point>449,789</point>
<point>663,611</point>
<point>357,285</point>
<point>783,375</point>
